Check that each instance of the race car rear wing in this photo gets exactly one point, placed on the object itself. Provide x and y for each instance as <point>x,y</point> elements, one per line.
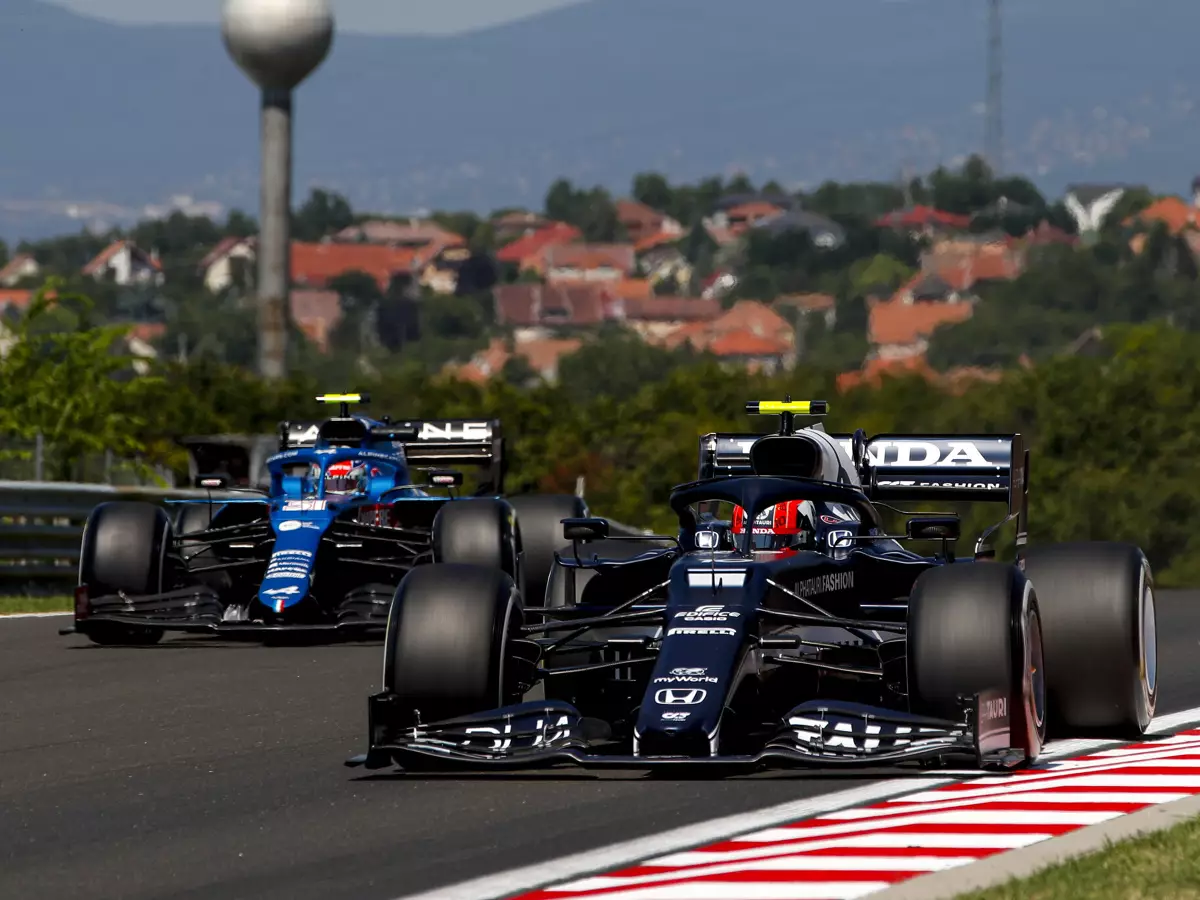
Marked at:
<point>432,443</point>
<point>971,468</point>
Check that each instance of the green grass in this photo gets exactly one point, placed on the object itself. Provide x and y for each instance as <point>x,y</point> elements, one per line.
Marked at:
<point>1160,866</point>
<point>10,605</point>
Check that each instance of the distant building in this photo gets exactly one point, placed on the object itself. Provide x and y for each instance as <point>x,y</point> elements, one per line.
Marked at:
<point>126,264</point>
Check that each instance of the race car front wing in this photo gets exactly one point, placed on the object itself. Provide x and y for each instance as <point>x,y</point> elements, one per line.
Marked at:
<point>816,734</point>
<point>199,610</point>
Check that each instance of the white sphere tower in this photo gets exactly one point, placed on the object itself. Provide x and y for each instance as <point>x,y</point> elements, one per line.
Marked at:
<point>277,43</point>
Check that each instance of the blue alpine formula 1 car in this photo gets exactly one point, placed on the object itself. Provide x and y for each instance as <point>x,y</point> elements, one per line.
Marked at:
<point>324,546</point>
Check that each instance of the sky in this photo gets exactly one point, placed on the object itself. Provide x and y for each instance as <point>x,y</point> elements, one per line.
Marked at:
<point>372,16</point>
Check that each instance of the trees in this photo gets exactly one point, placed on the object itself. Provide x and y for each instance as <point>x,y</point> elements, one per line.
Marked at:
<point>591,211</point>
<point>1115,437</point>
<point>323,213</point>
<point>70,381</point>
<point>616,363</point>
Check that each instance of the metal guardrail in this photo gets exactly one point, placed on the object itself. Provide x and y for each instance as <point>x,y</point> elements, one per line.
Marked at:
<point>41,526</point>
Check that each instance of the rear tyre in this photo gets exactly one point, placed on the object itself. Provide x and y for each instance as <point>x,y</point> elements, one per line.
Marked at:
<point>126,547</point>
<point>448,649</point>
<point>478,532</point>
<point>974,627</point>
<point>1098,621</point>
<point>539,519</point>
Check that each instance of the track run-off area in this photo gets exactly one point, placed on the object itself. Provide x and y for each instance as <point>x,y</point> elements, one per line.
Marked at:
<point>199,769</point>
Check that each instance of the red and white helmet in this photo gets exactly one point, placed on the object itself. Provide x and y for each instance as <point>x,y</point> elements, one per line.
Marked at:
<point>784,526</point>
<point>346,477</point>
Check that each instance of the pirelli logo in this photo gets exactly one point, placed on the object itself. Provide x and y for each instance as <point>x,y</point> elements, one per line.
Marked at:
<point>825,584</point>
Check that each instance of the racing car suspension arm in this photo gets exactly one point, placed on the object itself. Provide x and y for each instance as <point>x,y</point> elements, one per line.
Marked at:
<point>617,610</point>
<point>597,667</point>
<point>827,667</point>
<point>854,626</point>
<point>240,532</point>
<point>382,563</point>
<point>583,625</point>
<point>221,567</point>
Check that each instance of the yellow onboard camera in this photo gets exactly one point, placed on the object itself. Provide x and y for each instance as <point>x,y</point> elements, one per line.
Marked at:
<point>787,410</point>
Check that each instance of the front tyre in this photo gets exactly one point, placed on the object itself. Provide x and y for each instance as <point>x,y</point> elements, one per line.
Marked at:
<point>126,549</point>
<point>449,648</point>
<point>974,627</point>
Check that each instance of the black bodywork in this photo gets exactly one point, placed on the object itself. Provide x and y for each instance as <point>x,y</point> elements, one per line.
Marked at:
<point>704,652</point>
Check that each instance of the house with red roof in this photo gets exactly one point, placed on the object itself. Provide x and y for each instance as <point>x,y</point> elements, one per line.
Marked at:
<point>923,221</point>
<point>517,224</point>
<point>14,300</point>
<point>536,311</point>
<point>739,219</point>
<point>541,354</point>
<point>525,249</point>
<point>1174,212</point>
<point>749,335</point>
<point>229,264</point>
<point>655,318</point>
<point>411,233</point>
<point>642,222</point>
<point>954,381</point>
<point>585,262</point>
<point>316,265</point>
<point>316,313</point>
<point>19,268</point>
<point>901,327</point>
<point>126,264</point>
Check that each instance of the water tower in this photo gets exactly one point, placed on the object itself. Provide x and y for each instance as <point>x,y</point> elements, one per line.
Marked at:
<point>277,43</point>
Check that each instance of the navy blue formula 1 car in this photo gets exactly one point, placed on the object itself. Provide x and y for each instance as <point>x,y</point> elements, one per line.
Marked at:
<point>782,626</point>
<point>324,546</point>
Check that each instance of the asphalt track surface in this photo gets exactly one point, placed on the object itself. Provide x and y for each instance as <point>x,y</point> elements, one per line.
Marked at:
<point>198,769</point>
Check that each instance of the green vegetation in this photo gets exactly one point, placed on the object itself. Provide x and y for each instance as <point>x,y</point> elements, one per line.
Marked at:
<point>1115,436</point>
<point>1162,866</point>
<point>30,604</point>
<point>1115,432</point>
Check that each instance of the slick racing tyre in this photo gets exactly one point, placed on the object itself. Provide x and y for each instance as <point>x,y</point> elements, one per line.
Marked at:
<point>539,520</point>
<point>1098,624</point>
<point>449,648</point>
<point>126,548</point>
<point>974,627</point>
<point>478,532</point>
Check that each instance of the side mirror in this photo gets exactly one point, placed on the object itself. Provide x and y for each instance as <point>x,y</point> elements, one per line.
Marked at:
<point>212,482</point>
<point>585,529</point>
<point>445,478</point>
<point>934,528</point>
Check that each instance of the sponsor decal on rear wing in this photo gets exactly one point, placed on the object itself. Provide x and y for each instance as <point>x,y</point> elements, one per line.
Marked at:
<point>989,468</point>
<point>446,443</point>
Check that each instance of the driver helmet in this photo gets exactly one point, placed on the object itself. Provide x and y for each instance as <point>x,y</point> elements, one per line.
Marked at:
<point>347,477</point>
<point>784,526</point>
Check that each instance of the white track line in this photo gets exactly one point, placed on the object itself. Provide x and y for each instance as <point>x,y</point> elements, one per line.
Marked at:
<point>4,616</point>
<point>528,878</point>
